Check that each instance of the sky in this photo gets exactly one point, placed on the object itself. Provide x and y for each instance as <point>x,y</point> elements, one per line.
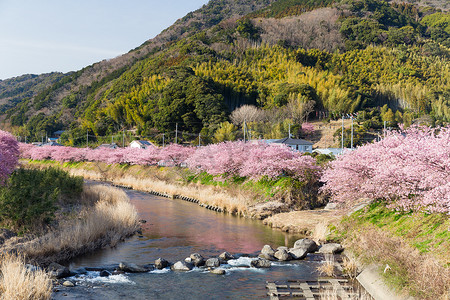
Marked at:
<point>66,35</point>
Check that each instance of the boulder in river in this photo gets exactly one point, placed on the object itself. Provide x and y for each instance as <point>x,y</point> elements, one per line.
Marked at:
<point>261,263</point>
<point>226,256</point>
<point>309,245</point>
<point>161,263</point>
<point>267,249</point>
<point>212,262</point>
<point>218,271</point>
<point>331,248</point>
<point>132,268</point>
<point>282,255</point>
<point>58,271</point>
<point>68,283</point>
<point>298,253</point>
<point>197,259</point>
<point>182,266</point>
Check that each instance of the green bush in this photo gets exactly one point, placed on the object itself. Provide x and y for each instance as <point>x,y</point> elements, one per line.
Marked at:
<point>30,198</point>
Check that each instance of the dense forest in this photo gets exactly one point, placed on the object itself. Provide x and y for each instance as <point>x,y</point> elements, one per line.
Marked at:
<point>294,60</point>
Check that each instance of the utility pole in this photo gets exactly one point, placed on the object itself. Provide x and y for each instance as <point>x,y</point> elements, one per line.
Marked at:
<point>163,140</point>
<point>352,135</point>
<point>199,138</point>
<point>87,138</point>
<point>176,133</point>
<point>42,139</point>
<point>384,132</point>
<point>342,135</point>
<point>25,139</point>
<point>289,131</point>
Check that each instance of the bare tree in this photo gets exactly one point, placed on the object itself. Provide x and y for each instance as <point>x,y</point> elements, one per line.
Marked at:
<point>298,109</point>
<point>248,113</point>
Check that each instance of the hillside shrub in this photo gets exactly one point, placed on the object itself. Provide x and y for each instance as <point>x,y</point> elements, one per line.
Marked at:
<point>29,198</point>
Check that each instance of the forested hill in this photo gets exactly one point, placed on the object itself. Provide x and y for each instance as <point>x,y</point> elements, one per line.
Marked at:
<point>293,59</point>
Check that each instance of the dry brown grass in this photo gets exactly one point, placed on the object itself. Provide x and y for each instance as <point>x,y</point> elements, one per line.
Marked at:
<point>327,268</point>
<point>18,283</point>
<point>350,266</point>
<point>320,232</point>
<point>111,218</point>
<point>421,274</point>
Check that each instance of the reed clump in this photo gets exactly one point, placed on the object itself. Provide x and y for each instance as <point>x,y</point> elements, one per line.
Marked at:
<point>328,266</point>
<point>19,283</point>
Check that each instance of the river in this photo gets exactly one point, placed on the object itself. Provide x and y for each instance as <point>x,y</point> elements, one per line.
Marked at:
<point>174,230</point>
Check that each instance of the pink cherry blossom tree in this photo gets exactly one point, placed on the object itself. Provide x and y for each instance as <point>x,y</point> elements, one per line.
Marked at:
<point>9,155</point>
<point>409,168</point>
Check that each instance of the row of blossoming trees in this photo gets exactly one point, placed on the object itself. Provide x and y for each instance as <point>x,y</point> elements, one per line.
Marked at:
<point>410,169</point>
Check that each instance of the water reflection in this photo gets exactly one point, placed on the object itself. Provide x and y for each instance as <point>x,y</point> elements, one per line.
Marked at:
<point>176,228</point>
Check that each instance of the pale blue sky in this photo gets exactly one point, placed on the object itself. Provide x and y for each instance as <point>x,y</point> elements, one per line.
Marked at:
<point>41,36</point>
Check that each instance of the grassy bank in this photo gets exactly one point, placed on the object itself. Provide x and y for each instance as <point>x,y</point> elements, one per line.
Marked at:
<point>49,216</point>
<point>232,195</point>
<point>412,249</point>
<point>105,218</point>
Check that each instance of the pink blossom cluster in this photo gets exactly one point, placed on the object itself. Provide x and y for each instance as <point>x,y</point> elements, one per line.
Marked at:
<point>229,158</point>
<point>9,155</point>
<point>409,168</point>
<point>252,160</point>
<point>308,128</point>
<point>170,155</point>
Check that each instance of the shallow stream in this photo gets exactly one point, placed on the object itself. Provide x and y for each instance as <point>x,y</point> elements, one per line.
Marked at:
<point>174,230</point>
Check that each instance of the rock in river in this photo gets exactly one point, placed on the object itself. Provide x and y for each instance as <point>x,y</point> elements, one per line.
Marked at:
<point>217,271</point>
<point>309,245</point>
<point>226,256</point>
<point>68,283</point>
<point>132,268</point>
<point>182,266</point>
<point>197,259</point>
<point>57,271</point>
<point>161,263</point>
<point>212,262</point>
<point>282,255</point>
<point>267,249</point>
<point>298,253</point>
<point>261,263</point>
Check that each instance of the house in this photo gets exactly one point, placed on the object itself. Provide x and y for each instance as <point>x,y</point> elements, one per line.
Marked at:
<point>110,146</point>
<point>329,151</point>
<point>296,144</point>
<point>58,133</point>
<point>141,144</point>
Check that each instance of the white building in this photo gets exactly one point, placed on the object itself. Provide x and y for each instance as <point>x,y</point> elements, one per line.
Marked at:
<point>141,144</point>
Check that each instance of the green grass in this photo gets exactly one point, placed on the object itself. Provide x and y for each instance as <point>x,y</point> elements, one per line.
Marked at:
<point>426,232</point>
